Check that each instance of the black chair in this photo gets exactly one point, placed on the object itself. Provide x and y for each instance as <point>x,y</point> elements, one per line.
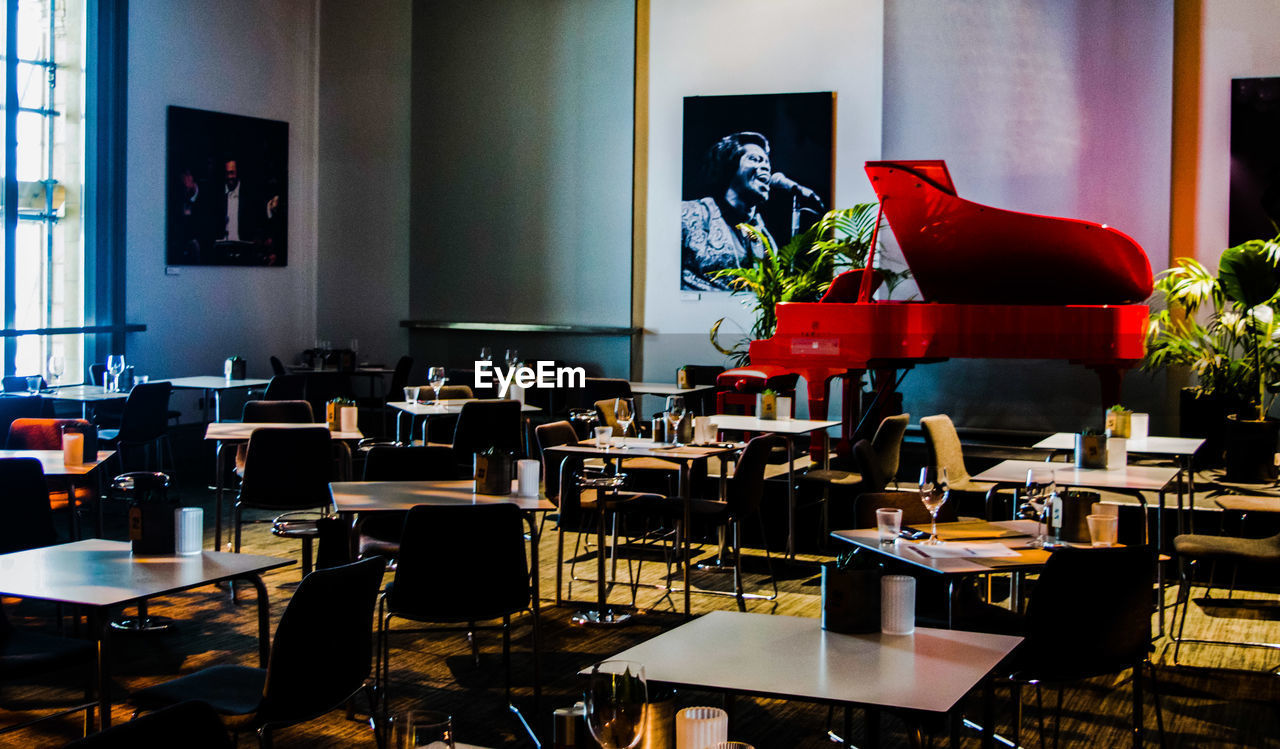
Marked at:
<point>46,434</point>
<point>271,412</point>
<point>743,498</point>
<point>320,659</point>
<point>702,403</point>
<point>23,407</point>
<point>287,471</point>
<point>322,387</point>
<point>485,424</point>
<point>379,532</point>
<point>599,388</point>
<point>17,383</point>
<point>460,565</point>
<point>191,725</point>
<point>1089,615</point>
<point>28,517</point>
<point>25,654</point>
<point>1194,548</point>
<point>144,424</point>
<point>277,367</point>
<point>286,387</point>
<point>439,428</point>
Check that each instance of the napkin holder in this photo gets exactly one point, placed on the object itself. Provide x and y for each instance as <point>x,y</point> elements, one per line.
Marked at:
<point>850,599</point>
<point>153,525</point>
<point>1076,506</point>
<point>493,472</point>
<point>235,368</point>
<point>1091,450</point>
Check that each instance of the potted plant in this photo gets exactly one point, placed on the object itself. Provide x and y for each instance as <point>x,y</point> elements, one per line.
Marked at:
<point>801,271</point>
<point>767,405</point>
<point>1233,350</point>
<point>1119,421</point>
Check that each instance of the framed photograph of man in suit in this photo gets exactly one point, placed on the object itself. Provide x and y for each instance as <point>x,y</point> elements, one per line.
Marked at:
<point>227,189</point>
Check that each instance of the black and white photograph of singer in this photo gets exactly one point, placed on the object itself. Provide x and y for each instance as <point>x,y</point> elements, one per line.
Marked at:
<point>740,177</point>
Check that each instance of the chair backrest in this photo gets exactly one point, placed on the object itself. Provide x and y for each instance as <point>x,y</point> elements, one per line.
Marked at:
<point>146,412</point>
<point>868,465</point>
<point>28,519</point>
<point>22,406</point>
<point>286,387</point>
<point>97,373</point>
<point>448,392</point>
<point>46,434</point>
<point>400,378</point>
<point>17,383</point>
<point>913,511</point>
<point>322,387</point>
<point>553,435</point>
<point>287,469</point>
<point>606,412</point>
<point>428,463</point>
<point>277,412</point>
<point>486,423</point>
<point>191,725</point>
<point>461,563</point>
<point>746,487</point>
<point>600,388</point>
<point>1090,612</point>
<point>887,442</point>
<point>277,367</point>
<point>323,647</point>
<point>944,446</point>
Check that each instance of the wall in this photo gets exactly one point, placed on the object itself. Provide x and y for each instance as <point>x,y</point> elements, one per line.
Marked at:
<point>363,216</point>
<point>1055,108</point>
<point>243,57</point>
<point>734,47</point>
<point>521,173</point>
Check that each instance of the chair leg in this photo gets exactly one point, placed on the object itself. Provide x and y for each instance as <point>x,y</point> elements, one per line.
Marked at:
<point>737,564</point>
<point>235,520</point>
<point>264,738</point>
<point>1040,713</point>
<point>306,557</point>
<point>1184,599</point>
<point>1017,714</point>
<point>1137,706</point>
<point>559,566</point>
<point>475,645</point>
<point>506,656</point>
<point>1155,698</point>
<point>375,722</point>
<point>768,558</point>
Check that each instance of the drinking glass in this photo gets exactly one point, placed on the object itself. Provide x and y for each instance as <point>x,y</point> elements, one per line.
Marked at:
<point>436,378</point>
<point>421,729</point>
<point>411,394</point>
<point>604,435</point>
<point>115,367</point>
<point>624,409</point>
<point>33,384</point>
<point>934,490</point>
<point>889,523</point>
<point>615,699</point>
<point>56,368</point>
<point>1038,489</point>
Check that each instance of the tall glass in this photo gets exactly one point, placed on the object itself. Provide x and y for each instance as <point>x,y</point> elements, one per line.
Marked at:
<point>436,379</point>
<point>1039,487</point>
<point>675,409</point>
<point>115,367</point>
<point>934,491</point>
<point>624,410</point>
<point>615,699</point>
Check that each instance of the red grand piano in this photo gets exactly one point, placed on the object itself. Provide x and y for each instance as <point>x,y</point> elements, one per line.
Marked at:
<point>995,283</point>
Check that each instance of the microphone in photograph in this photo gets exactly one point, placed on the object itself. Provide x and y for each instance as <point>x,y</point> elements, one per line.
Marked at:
<point>780,181</point>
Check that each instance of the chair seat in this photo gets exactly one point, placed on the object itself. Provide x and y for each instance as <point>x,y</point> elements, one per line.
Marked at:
<point>108,435</point>
<point>832,477</point>
<point>371,546</point>
<point>1196,546</point>
<point>25,654</point>
<point>649,464</point>
<point>229,690</point>
<point>295,529</point>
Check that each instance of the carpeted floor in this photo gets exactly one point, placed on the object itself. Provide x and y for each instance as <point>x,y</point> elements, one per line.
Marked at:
<point>1219,697</point>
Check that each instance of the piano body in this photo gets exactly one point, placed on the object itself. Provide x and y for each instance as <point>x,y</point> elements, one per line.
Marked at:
<point>995,284</point>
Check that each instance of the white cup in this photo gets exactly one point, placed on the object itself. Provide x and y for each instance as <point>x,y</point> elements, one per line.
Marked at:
<point>1103,529</point>
<point>897,604</point>
<point>189,526</point>
<point>72,449</point>
<point>701,727</point>
<point>527,477</point>
<point>1117,452</point>
<point>411,393</point>
<point>1139,426</point>
<point>889,522</point>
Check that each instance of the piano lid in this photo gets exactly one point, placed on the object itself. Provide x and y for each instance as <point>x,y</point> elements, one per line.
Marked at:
<point>966,253</point>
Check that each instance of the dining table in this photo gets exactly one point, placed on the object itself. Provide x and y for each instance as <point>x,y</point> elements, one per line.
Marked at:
<point>213,388</point>
<point>85,395</point>
<point>430,409</point>
<point>54,465</point>
<point>101,576</point>
<point>622,448</point>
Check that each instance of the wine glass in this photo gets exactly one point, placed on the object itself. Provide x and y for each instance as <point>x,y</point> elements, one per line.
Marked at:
<point>486,353</point>
<point>436,378</point>
<point>115,367</point>
<point>624,410</point>
<point>934,490</point>
<point>675,409</point>
<point>512,357</point>
<point>1039,487</point>
<point>56,368</point>
<point>615,699</point>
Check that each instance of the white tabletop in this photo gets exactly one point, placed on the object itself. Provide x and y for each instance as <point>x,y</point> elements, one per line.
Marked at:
<point>640,447</point>
<point>203,382</point>
<point>902,550</point>
<point>232,431</point>
<point>1141,478</point>
<point>773,426</point>
<point>1175,446</point>
<point>96,572</point>
<point>444,407</point>
<point>374,496</point>
<point>665,388</point>
<point>52,464</point>
<point>83,393</point>
<point>793,657</point>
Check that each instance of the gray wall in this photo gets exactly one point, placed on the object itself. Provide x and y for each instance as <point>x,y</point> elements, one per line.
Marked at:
<point>521,169</point>
<point>363,216</point>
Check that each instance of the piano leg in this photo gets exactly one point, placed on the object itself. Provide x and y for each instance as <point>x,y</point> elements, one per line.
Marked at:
<point>1110,377</point>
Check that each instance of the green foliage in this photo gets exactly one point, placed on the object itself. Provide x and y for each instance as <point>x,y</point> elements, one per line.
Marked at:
<point>1235,350</point>
<point>801,270</point>
<point>1117,408</point>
